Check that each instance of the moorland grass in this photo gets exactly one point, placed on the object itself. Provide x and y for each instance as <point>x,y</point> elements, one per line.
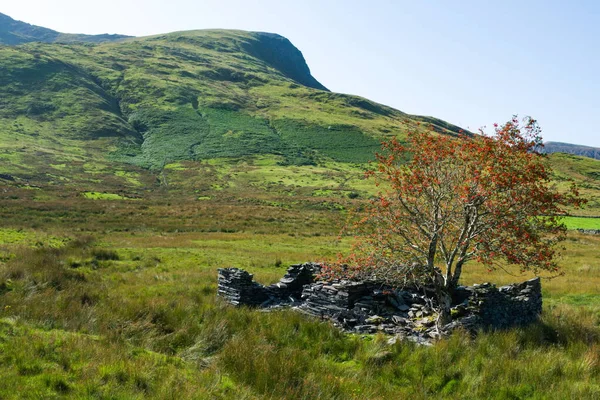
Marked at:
<point>144,308</point>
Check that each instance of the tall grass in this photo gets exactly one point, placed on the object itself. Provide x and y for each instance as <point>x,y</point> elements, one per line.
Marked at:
<point>86,321</point>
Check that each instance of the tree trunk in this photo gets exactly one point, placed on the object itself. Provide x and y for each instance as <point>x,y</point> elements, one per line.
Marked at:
<point>444,305</point>
<point>443,291</point>
<point>457,271</point>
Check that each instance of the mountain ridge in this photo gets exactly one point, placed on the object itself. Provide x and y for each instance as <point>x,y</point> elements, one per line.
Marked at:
<point>575,149</point>
<point>275,49</point>
<point>14,32</point>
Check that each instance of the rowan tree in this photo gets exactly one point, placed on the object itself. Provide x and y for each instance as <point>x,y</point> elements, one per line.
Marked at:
<point>452,200</point>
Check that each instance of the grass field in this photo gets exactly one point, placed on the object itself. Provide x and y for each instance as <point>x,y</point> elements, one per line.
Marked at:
<point>104,297</point>
<point>582,223</point>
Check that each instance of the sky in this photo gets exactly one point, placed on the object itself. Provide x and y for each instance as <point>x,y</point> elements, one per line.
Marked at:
<point>469,62</point>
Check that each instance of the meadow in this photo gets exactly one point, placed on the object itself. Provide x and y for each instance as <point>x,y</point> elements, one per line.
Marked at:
<point>105,297</point>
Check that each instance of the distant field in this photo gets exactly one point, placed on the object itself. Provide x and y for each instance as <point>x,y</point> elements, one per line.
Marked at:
<point>582,223</point>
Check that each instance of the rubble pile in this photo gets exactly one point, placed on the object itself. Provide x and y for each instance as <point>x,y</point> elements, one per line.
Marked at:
<point>370,307</point>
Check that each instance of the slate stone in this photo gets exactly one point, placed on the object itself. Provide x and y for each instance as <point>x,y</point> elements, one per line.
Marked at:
<point>368,307</point>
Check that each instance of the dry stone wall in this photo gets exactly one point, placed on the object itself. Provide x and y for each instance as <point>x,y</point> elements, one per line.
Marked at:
<point>238,287</point>
<point>589,231</point>
<point>369,307</point>
<point>507,306</point>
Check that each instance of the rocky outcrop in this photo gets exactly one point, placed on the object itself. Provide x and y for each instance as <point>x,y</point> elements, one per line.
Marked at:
<point>279,53</point>
<point>512,305</point>
<point>238,288</point>
<point>487,307</point>
<point>369,307</point>
<point>569,148</point>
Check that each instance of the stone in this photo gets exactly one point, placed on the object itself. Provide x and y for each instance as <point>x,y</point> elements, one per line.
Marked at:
<point>589,231</point>
<point>375,320</point>
<point>395,339</point>
<point>369,307</point>
<point>433,334</point>
<point>365,329</point>
<point>420,340</point>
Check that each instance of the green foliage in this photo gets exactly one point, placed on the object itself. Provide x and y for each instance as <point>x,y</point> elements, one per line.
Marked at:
<point>209,133</point>
<point>60,98</point>
<point>168,136</point>
<point>103,196</point>
<point>584,171</point>
<point>235,134</point>
<point>182,96</point>
<point>339,142</point>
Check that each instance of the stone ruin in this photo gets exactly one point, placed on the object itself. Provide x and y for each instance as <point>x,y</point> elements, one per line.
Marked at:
<point>589,231</point>
<point>370,307</point>
<point>238,287</point>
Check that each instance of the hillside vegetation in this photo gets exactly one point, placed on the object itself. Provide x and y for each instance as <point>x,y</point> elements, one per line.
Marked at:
<point>116,116</point>
<point>182,96</point>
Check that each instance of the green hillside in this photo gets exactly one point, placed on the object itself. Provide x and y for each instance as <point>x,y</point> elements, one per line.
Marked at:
<point>233,110</point>
<point>182,96</point>
<point>568,148</point>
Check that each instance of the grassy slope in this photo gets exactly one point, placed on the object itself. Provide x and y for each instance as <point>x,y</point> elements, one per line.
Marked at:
<point>192,95</point>
<point>70,112</point>
<point>109,117</point>
<point>585,172</point>
<point>587,151</point>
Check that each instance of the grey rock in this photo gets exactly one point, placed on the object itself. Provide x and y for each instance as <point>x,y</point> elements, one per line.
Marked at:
<point>368,307</point>
<point>365,328</point>
<point>375,320</point>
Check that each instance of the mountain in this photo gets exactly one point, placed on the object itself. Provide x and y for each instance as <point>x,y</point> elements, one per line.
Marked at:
<point>579,150</point>
<point>14,32</point>
<point>193,95</point>
<point>215,110</point>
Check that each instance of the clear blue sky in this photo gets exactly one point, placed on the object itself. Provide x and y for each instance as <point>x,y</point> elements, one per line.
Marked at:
<point>469,62</point>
